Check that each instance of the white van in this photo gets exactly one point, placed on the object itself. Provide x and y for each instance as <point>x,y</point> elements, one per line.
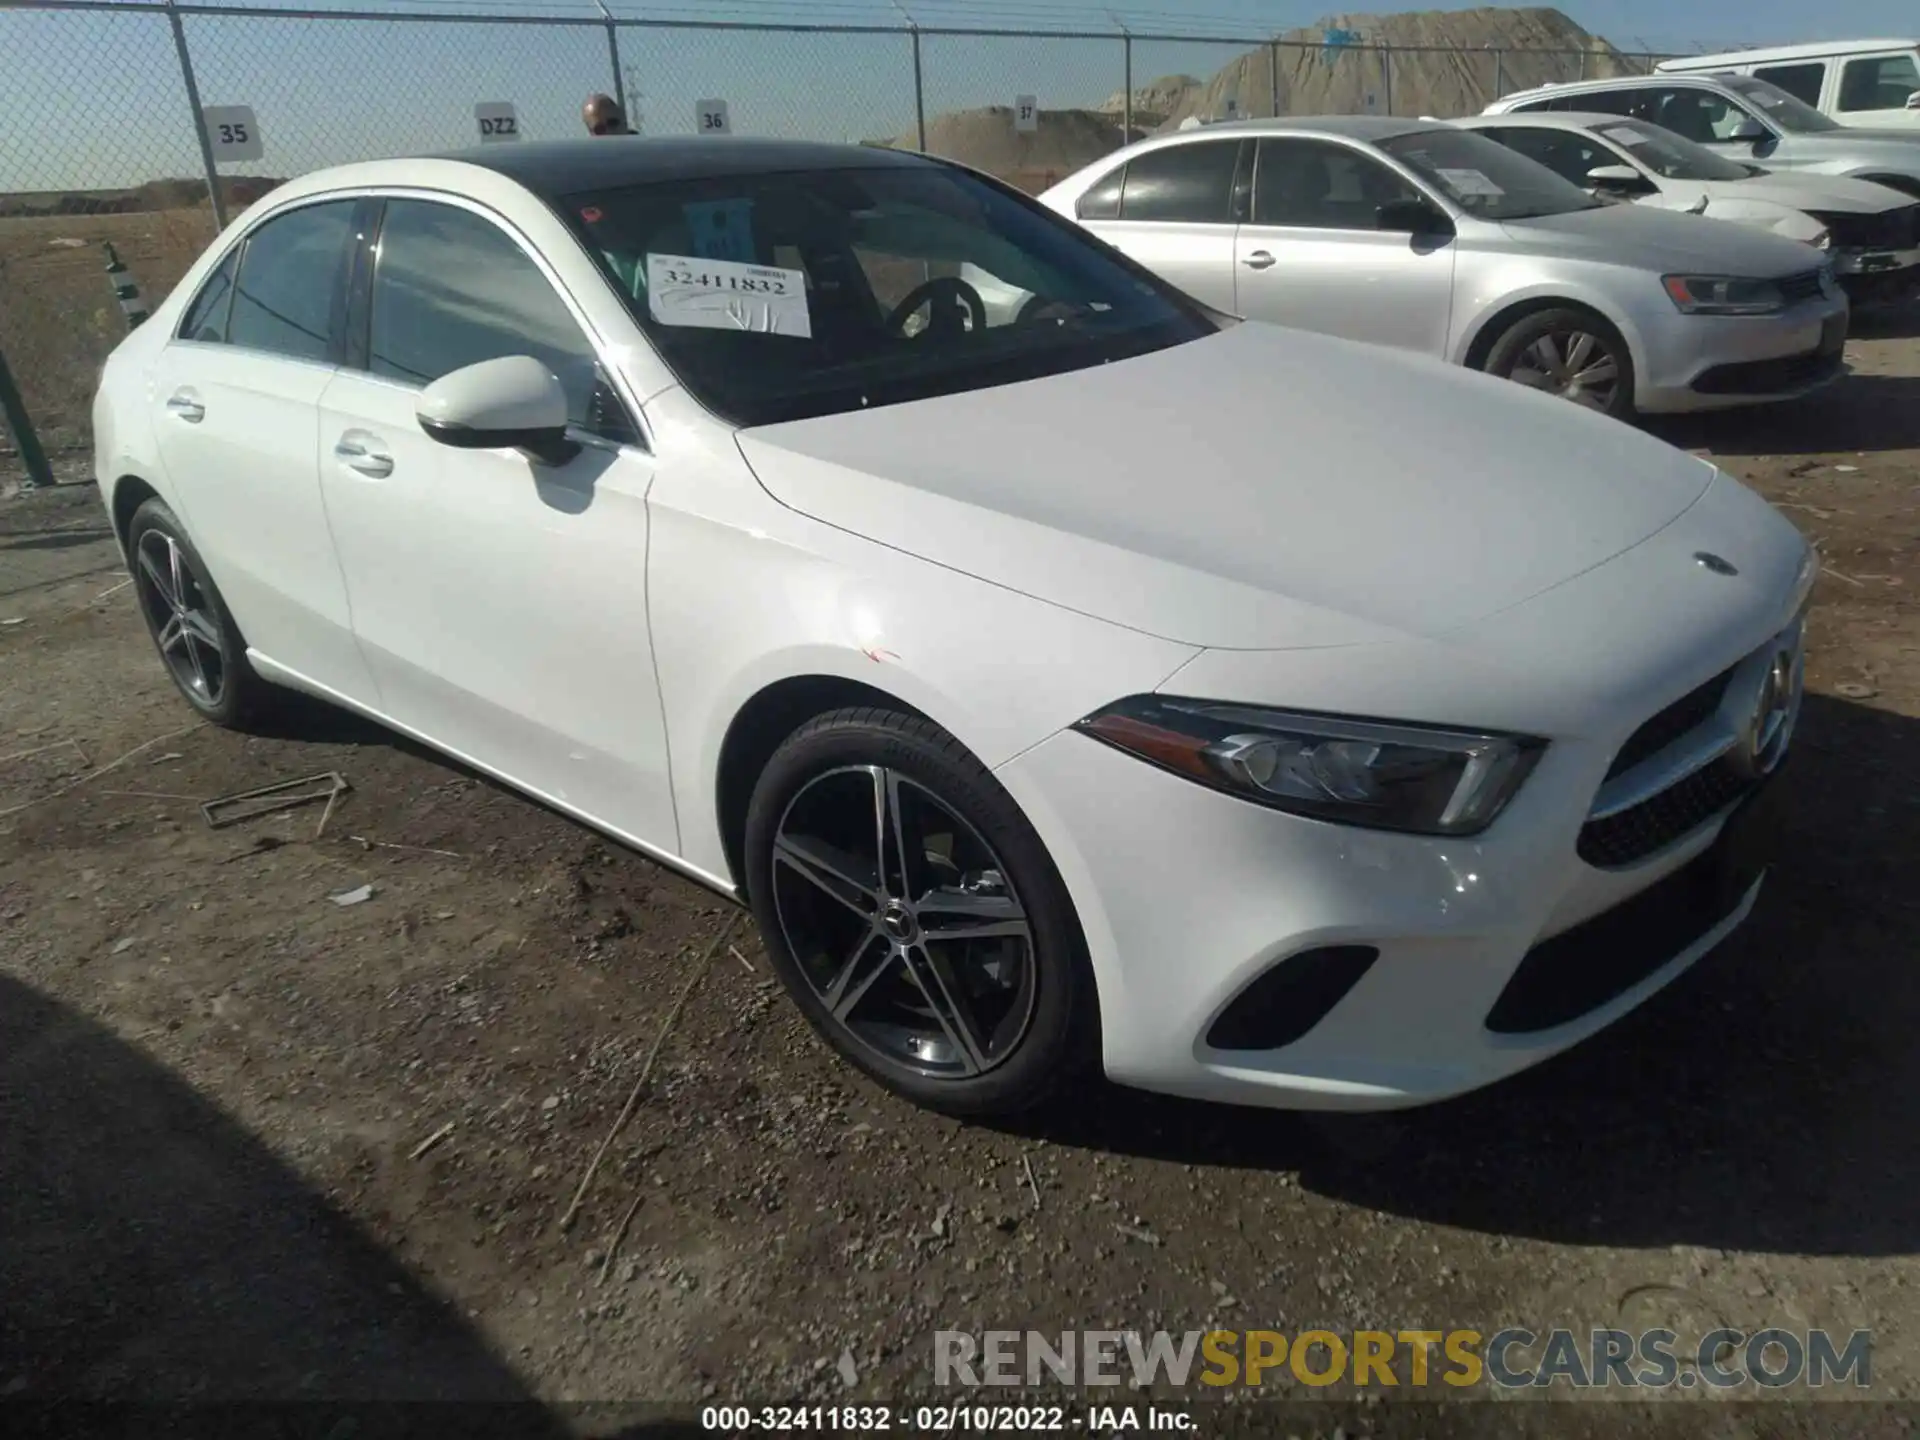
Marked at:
<point>1870,83</point>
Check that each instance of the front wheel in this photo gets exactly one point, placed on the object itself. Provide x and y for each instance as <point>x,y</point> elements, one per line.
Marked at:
<point>915,916</point>
<point>1573,354</point>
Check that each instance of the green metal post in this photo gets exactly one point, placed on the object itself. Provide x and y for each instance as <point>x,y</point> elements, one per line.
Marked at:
<point>39,473</point>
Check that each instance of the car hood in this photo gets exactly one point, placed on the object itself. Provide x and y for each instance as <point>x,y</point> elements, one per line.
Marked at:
<point>1803,191</point>
<point>1261,488</point>
<point>1663,241</point>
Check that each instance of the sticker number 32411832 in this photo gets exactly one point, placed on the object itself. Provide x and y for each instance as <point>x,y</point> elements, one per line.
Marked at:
<point>727,295</point>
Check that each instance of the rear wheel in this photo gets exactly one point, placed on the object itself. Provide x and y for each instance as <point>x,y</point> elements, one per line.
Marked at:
<point>1573,354</point>
<point>915,916</point>
<point>189,621</point>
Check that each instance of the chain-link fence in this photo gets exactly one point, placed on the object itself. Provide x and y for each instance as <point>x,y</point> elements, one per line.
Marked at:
<point>142,125</point>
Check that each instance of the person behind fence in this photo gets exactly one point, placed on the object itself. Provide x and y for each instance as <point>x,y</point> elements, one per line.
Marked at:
<point>603,117</point>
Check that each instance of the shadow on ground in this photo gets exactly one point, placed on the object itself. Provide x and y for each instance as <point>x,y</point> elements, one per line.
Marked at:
<point>1858,413</point>
<point>1768,1101</point>
<point>152,1250</point>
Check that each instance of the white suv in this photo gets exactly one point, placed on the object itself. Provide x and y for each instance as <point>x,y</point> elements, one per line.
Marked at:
<point>1874,84</point>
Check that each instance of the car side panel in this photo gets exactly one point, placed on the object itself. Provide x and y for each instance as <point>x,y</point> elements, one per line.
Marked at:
<point>247,474</point>
<point>1195,258</point>
<point>744,592</point>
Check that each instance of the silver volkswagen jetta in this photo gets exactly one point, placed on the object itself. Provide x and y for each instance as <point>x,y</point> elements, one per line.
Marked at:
<point>1424,236</point>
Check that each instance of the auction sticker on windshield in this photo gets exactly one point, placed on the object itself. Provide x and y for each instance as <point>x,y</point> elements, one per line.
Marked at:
<point>1625,134</point>
<point>727,295</point>
<point>1469,182</point>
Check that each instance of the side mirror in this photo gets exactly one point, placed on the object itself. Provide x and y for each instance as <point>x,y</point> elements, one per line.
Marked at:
<point>514,403</point>
<point>1618,177</point>
<point>1749,129</point>
<point>1913,101</point>
<point>1411,217</point>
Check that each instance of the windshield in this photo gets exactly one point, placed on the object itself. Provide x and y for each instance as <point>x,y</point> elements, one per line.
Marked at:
<point>1671,156</point>
<point>782,296</point>
<point>1484,177</point>
<point>1777,105</point>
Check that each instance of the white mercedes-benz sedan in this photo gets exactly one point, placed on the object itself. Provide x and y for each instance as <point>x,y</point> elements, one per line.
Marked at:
<point>1251,713</point>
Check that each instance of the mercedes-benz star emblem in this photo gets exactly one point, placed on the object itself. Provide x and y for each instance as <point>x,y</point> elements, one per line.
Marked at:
<point>1759,748</point>
<point>1715,563</point>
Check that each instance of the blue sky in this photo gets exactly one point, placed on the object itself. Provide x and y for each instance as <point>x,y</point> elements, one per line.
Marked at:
<point>94,99</point>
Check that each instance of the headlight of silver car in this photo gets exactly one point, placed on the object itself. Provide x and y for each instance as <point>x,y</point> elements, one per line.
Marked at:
<point>1723,295</point>
<point>1376,774</point>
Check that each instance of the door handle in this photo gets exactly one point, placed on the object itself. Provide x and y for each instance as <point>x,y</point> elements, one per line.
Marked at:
<point>184,405</point>
<point>1258,260</point>
<point>356,456</point>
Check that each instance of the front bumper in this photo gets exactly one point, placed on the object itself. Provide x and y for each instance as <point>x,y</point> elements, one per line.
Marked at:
<point>1434,966</point>
<point>1698,362</point>
<point>1877,278</point>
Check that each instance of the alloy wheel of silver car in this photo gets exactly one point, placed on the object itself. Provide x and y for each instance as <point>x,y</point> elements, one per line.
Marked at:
<point>903,922</point>
<point>1576,365</point>
<point>185,624</point>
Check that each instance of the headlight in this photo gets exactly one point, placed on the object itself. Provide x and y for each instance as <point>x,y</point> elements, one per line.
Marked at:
<point>1355,772</point>
<point>1723,295</point>
<point>1822,241</point>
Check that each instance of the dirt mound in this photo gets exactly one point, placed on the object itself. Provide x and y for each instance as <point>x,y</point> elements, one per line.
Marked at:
<point>986,139</point>
<point>1155,100</point>
<point>1536,46</point>
<point>155,195</point>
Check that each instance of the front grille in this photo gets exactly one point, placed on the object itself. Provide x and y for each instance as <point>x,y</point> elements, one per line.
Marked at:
<point>1803,286</point>
<point>1884,287</point>
<point>1897,229</point>
<point>1655,823</point>
<point>1679,719</point>
<point>1771,377</point>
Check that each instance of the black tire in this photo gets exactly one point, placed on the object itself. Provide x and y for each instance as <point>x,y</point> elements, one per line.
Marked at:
<point>1513,357</point>
<point>815,782</point>
<point>236,696</point>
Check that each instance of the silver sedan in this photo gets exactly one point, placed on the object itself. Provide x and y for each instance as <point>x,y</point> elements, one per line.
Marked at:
<point>1427,237</point>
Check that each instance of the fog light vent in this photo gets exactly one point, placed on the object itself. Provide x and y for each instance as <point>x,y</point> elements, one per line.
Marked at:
<point>1283,1003</point>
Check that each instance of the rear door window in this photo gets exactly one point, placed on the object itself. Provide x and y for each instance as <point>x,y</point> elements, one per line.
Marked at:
<point>1182,184</point>
<point>206,318</point>
<point>1102,199</point>
<point>1881,82</point>
<point>1802,81</point>
<point>286,301</point>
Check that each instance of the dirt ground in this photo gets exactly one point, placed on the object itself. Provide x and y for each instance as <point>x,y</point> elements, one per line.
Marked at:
<point>257,1144</point>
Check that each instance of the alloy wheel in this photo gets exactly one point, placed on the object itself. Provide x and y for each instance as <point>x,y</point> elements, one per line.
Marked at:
<point>1576,365</point>
<point>184,623</point>
<point>904,923</point>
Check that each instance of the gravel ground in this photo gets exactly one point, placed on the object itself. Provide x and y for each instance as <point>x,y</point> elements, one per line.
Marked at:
<point>257,1145</point>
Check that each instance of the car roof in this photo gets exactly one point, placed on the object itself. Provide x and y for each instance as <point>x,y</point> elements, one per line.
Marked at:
<point>1553,120</point>
<point>1585,87</point>
<point>568,167</point>
<point>1813,50</point>
<point>1350,127</point>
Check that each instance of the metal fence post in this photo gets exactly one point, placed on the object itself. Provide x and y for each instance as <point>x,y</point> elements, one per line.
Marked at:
<point>218,200</point>
<point>919,90</point>
<point>1499,72</point>
<point>1126,78</point>
<point>1273,75</point>
<point>613,59</point>
<point>39,473</point>
<point>1583,64</point>
<point>1386,78</point>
